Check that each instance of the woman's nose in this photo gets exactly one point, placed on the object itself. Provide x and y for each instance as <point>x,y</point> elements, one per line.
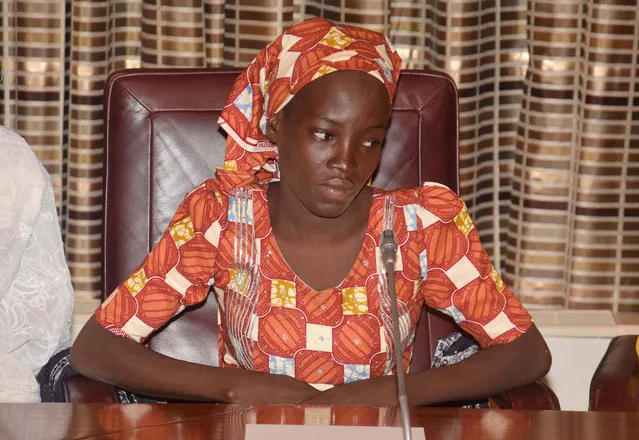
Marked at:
<point>343,157</point>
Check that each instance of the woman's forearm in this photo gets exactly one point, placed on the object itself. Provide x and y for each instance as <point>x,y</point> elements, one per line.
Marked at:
<point>100,355</point>
<point>486,373</point>
<point>489,372</point>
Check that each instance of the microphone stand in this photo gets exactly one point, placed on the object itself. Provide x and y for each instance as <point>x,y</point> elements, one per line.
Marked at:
<point>389,252</point>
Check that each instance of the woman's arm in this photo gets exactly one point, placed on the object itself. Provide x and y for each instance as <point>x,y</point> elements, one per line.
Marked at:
<point>489,372</point>
<point>176,274</point>
<point>101,355</point>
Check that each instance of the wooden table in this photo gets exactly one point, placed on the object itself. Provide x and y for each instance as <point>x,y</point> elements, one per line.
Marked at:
<point>209,421</point>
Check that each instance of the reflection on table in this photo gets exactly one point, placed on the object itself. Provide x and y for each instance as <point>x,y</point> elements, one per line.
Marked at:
<point>210,421</point>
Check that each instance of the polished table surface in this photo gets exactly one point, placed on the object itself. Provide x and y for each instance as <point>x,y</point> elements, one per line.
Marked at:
<point>210,421</point>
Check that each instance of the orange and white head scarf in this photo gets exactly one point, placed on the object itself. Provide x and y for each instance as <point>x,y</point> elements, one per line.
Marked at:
<point>303,53</point>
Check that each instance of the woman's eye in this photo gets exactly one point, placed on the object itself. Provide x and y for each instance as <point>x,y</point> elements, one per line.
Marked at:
<point>322,135</point>
<point>371,143</point>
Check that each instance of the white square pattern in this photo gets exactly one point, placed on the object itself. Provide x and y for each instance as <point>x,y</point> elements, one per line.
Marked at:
<point>498,326</point>
<point>178,281</point>
<point>319,337</point>
<point>427,217</point>
<point>137,329</point>
<point>212,234</point>
<point>462,273</point>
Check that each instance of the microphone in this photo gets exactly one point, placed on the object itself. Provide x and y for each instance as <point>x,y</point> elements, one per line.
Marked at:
<point>388,249</point>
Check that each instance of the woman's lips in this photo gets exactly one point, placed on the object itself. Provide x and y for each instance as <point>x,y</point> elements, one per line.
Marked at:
<point>337,188</point>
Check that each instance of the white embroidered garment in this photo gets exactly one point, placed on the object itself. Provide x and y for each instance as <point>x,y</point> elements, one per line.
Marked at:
<point>36,296</point>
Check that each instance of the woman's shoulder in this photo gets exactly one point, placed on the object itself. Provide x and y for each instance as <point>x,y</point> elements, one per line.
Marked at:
<point>215,198</point>
<point>213,187</point>
<point>432,196</point>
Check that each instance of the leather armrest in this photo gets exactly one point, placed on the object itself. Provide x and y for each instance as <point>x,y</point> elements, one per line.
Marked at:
<point>615,383</point>
<point>81,389</point>
<point>535,396</point>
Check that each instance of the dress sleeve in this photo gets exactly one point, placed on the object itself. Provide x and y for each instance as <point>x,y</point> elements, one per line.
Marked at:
<point>461,280</point>
<point>176,273</point>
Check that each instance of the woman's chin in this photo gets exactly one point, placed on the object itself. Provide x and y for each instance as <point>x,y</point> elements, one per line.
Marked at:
<point>330,210</point>
<point>329,203</point>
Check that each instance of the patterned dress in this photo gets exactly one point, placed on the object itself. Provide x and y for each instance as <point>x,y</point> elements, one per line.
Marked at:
<point>270,320</point>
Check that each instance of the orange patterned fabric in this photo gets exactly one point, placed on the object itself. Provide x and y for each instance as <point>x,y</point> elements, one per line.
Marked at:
<point>271,321</point>
<point>303,53</point>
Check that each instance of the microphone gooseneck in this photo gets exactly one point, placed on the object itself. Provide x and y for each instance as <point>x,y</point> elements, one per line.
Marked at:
<point>388,249</point>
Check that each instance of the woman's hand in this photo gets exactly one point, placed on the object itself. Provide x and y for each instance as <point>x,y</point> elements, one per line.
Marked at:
<point>379,391</point>
<point>270,388</point>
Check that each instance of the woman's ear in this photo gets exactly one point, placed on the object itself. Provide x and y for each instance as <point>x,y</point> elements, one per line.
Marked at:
<point>272,127</point>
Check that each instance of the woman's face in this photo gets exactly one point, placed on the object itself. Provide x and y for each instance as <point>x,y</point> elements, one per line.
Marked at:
<point>329,139</point>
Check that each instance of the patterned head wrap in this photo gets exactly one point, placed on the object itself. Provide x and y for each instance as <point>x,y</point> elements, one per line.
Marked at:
<point>303,53</point>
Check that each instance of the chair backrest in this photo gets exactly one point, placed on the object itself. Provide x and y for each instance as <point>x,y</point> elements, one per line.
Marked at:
<point>162,140</point>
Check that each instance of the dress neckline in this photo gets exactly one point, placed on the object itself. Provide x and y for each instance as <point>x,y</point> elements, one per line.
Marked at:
<point>360,254</point>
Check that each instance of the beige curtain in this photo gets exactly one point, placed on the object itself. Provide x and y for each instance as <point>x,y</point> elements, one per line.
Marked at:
<point>549,103</point>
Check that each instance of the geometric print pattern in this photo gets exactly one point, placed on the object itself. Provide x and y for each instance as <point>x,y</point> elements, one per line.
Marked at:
<point>323,338</point>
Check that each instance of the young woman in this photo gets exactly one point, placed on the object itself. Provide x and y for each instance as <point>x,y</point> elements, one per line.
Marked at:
<point>288,236</point>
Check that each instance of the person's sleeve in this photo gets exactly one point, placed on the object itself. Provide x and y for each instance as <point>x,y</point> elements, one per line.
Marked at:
<point>460,278</point>
<point>36,296</point>
<point>175,275</point>
<point>35,312</point>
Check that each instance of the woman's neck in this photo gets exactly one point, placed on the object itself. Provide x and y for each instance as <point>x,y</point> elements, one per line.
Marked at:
<point>292,221</point>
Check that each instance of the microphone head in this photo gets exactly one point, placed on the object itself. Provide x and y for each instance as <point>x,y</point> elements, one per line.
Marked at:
<point>388,247</point>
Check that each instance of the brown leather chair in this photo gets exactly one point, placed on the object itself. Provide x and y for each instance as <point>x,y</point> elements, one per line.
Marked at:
<point>615,383</point>
<point>162,140</point>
